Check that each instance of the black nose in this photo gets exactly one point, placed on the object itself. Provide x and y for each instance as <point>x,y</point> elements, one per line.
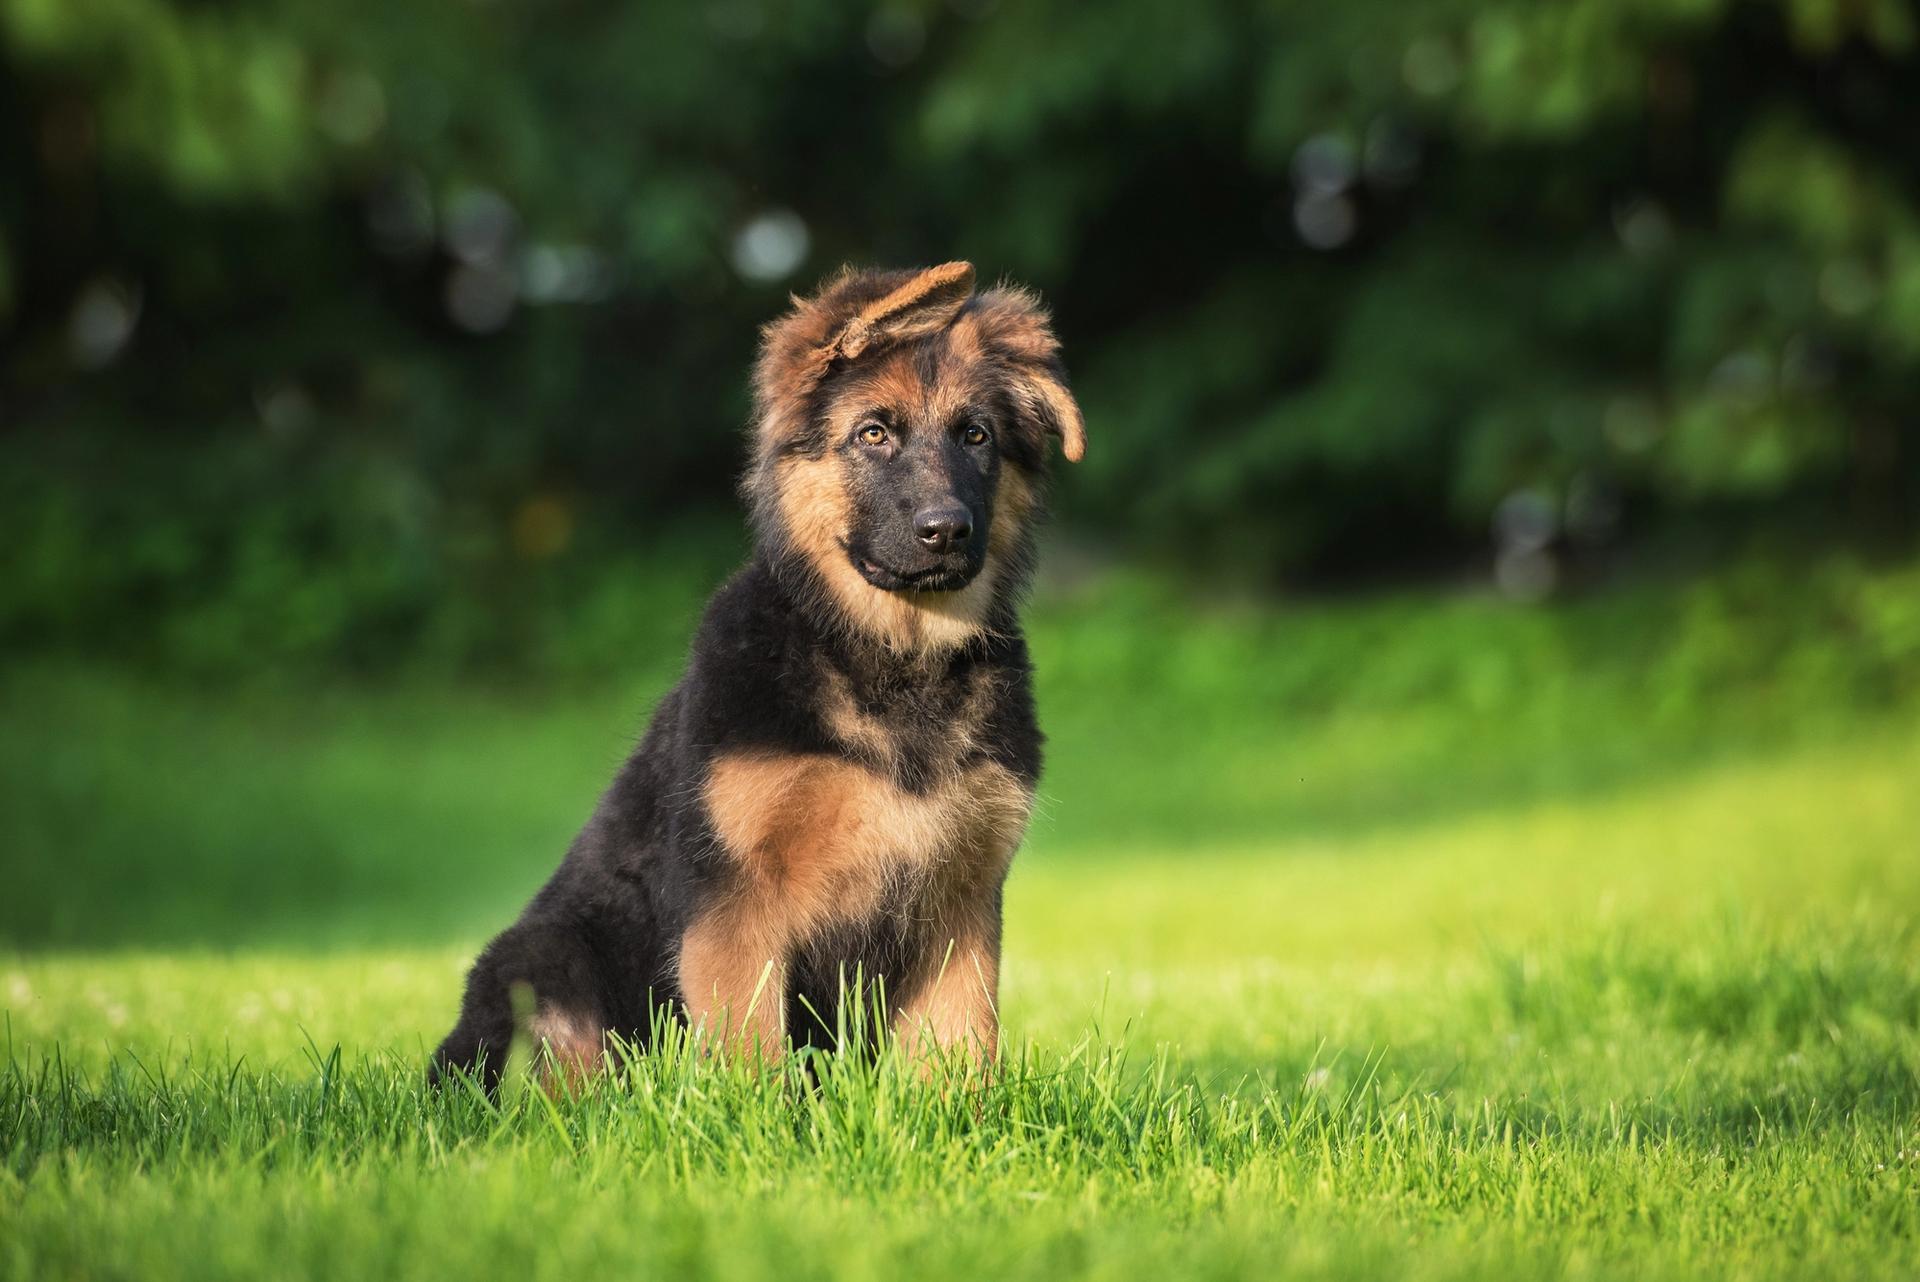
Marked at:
<point>943,527</point>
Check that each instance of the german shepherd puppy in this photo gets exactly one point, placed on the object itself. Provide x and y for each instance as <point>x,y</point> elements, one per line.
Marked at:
<point>838,783</point>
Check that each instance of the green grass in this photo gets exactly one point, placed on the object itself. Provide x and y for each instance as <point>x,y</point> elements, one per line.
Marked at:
<point>1624,992</point>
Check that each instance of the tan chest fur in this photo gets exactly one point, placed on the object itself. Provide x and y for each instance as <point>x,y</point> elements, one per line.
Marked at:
<point>827,839</point>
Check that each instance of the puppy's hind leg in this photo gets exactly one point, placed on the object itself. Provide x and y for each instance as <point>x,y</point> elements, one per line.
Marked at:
<point>557,1004</point>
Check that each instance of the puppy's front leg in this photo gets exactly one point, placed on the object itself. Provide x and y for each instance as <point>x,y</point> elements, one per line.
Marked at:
<point>733,975</point>
<point>958,1006</point>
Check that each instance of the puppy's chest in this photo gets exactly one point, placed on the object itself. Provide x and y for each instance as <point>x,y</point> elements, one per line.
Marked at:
<point>833,824</point>
<point>908,801</point>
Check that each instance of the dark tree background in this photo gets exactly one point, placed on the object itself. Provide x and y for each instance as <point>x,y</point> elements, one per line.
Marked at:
<point>348,330</point>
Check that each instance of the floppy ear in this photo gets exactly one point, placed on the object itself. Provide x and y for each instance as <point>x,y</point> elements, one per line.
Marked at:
<point>923,305</point>
<point>1046,390</point>
<point>1014,323</point>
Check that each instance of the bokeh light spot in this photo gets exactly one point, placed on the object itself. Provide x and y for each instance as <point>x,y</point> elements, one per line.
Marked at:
<point>565,274</point>
<point>481,298</point>
<point>481,226</point>
<point>1324,221</point>
<point>102,321</point>
<point>1323,165</point>
<point>285,409</point>
<point>1526,575</point>
<point>1643,226</point>
<point>1525,521</point>
<point>771,245</point>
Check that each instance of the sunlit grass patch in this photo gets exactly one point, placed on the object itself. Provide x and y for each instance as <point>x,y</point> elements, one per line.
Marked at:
<point>1674,1032</point>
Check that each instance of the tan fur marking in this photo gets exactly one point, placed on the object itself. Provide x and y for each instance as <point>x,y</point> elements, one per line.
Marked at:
<point>574,1043</point>
<point>893,384</point>
<point>812,495</point>
<point>815,840</point>
<point>734,977</point>
<point>863,735</point>
<point>872,741</point>
<point>959,1005</point>
<point>825,834</point>
<point>897,384</point>
<point>963,340</point>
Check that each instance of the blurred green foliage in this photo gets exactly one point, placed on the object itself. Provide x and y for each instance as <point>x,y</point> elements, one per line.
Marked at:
<point>343,332</point>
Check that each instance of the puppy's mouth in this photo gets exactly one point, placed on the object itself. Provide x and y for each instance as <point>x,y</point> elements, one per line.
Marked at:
<point>933,578</point>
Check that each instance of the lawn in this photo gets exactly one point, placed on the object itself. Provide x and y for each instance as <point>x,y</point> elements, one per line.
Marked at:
<point>1566,947</point>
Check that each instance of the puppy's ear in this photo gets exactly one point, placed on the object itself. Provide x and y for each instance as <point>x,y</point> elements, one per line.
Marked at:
<point>1013,322</point>
<point>1043,388</point>
<point>923,305</point>
<point>801,348</point>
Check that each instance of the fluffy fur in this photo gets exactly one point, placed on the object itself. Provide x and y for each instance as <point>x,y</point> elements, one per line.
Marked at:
<point>838,783</point>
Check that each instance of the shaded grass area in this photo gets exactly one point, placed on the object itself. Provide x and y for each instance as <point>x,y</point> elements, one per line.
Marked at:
<point>133,810</point>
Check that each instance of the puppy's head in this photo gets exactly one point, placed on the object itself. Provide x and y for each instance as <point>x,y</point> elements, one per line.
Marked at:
<point>901,426</point>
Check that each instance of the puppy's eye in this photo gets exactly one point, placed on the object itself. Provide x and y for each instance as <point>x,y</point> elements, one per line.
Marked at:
<point>872,434</point>
<point>975,434</point>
